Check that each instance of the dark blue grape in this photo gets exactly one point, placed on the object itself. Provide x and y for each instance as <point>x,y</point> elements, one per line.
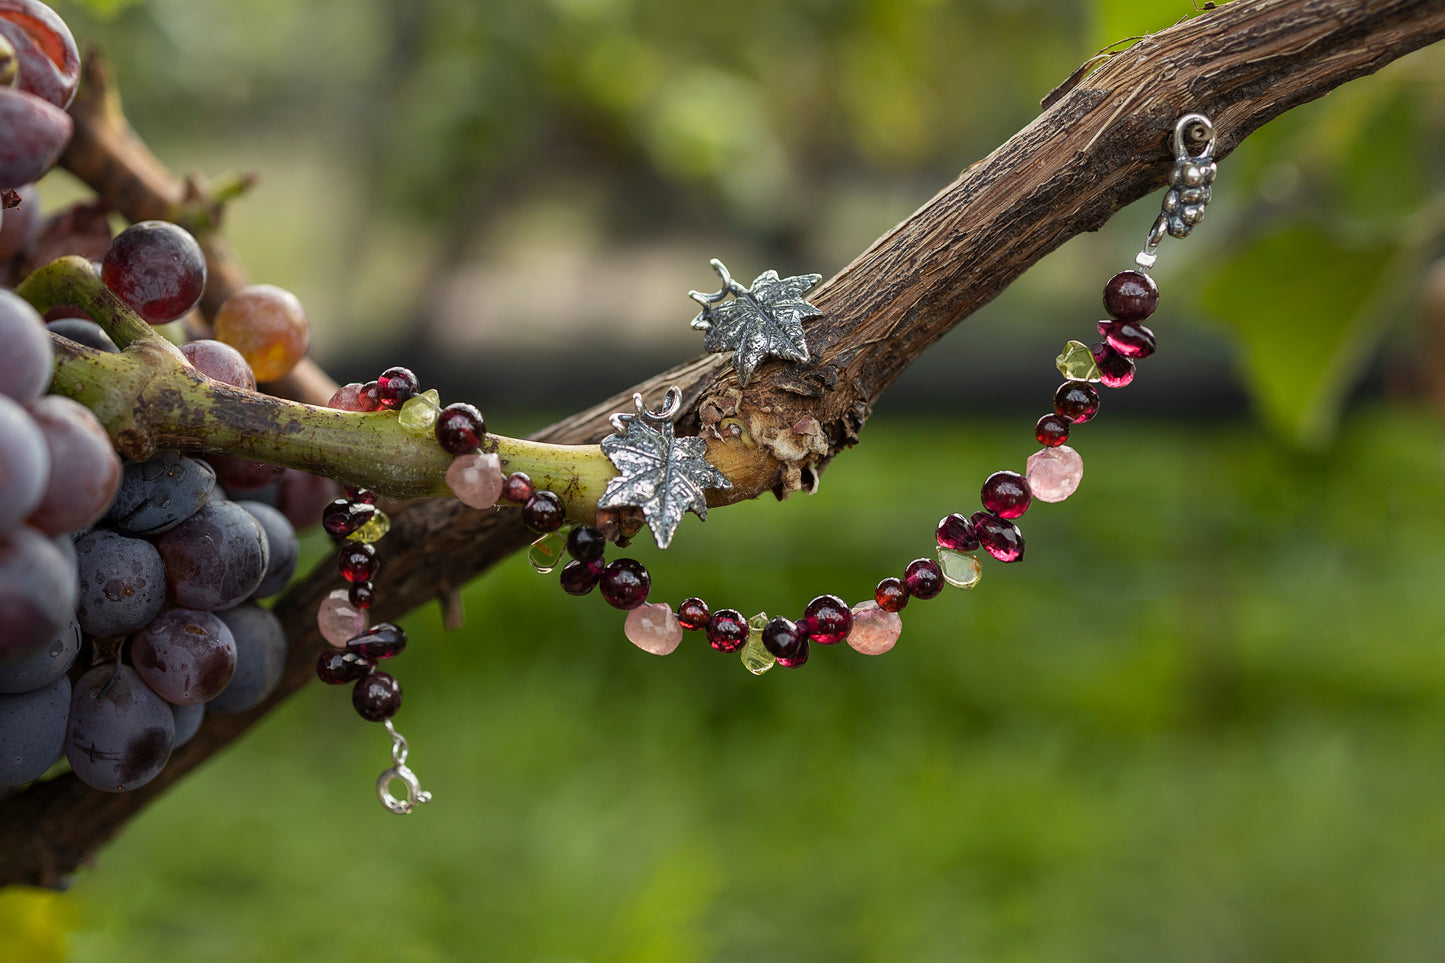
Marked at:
<point>83,332</point>
<point>215,559</point>
<point>157,495</point>
<point>281,538</point>
<point>122,583</point>
<point>24,464</point>
<point>120,733</point>
<point>32,731</point>
<point>44,665</point>
<point>187,657</point>
<point>37,592</point>
<point>260,657</point>
<point>188,721</point>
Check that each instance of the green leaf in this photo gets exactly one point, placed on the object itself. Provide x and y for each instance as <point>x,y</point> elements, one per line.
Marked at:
<point>1301,302</point>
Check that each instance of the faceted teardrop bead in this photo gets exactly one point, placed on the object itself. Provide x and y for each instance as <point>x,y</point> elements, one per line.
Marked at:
<point>338,619</point>
<point>652,627</point>
<point>374,530</point>
<point>546,552</point>
<point>999,537</point>
<point>875,630</point>
<point>959,570</point>
<point>1054,473</point>
<point>384,640</point>
<point>755,656</point>
<point>1129,339</point>
<point>476,479</point>
<point>1077,362</point>
<point>419,412</point>
<point>956,531</point>
<point>1115,370</point>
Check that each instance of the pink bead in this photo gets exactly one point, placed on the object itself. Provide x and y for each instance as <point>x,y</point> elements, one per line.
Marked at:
<point>1054,473</point>
<point>653,627</point>
<point>875,630</point>
<point>476,479</point>
<point>338,619</point>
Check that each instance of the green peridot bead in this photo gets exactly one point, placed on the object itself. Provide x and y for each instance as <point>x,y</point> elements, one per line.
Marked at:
<point>959,570</point>
<point>1077,362</point>
<point>374,530</point>
<point>419,414</point>
<point>548,551</point>
<point>756,657</point>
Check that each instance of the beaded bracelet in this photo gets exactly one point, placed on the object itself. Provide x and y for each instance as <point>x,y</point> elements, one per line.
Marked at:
<point>871,627</point>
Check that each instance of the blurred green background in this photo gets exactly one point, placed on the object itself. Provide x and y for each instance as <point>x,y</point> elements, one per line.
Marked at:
<point>1203,721</point>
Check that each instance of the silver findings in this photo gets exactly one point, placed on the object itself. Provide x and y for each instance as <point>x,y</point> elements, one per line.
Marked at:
<point>757,322</point>
<point>1189,185</point>
<point>415,795</point>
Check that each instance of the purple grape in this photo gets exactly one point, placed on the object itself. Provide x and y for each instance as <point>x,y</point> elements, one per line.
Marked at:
<point>281,539</point>
<point>84,469</point>
<point>83,331</point>
<point>215,559</point>
<point>157,268</point>
<point>44,665</point>
<point>187,722</point>
<point>186,657</point>
<point>120,733</point>
<point>32,731</point>
<point>36,132</point>
<point>48,59</point>
<point>20,223</point>
<point>157,495</point>
<point>242,476</point>
<point>37,592</point>
<point>221,362</point>
<point>29,359</point>
<point>260,657</point>
<point>122,583</point>
<point>24,464</point>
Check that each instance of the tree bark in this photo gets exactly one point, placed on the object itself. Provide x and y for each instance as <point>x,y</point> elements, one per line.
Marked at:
<point>1098,147</point>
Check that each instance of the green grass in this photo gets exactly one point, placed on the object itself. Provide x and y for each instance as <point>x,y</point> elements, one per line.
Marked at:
<point>1203,721</point>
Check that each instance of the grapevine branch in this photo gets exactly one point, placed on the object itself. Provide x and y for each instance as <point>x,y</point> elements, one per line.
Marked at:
<point>1098,147</point>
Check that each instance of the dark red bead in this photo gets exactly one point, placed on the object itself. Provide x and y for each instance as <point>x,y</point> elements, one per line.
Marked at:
<point>999,537</point>
<point>362,594</point>
<point>625,584</point>
<point>1078,401</point>
<point>357,494</point>
<point>357,562</point>
<point>543,512</point>
<point>797,658</point>
<point>956,532</point>
<point>1131,296</point>
<point>579,578</point>
<point>370,397</point>
<point>459,428</point>
<point>924,578</point>
<point>384,640</point>
<point>1006,494</point>
<point>1115,370</point>
<point>693,614</point>
<point>727,630</point>
<point>828,620</point>
<point>783,638</point>
<point>586,544</point>
<point>343,517</point>
<point>1052,430</point>
<point>338,666</point>
<point>376,697</point>
<point>1129,339</point>
<point>891,594</point>
<point>396,386</point>
<point>517,487</point>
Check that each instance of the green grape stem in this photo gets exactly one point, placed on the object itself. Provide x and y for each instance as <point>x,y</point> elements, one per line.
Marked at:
<point>149,398</point>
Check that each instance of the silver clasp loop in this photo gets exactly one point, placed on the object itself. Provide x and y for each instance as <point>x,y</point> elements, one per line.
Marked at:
<point>415,795</point>
<point>1183,126</point>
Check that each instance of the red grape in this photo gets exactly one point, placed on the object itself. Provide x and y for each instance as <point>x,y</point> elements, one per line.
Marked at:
<point>36,132</point>
<point>157,268</point>
<point>268,326</point>
<point>218,360</point>
<point>48,59</point>
<point>85,471</point>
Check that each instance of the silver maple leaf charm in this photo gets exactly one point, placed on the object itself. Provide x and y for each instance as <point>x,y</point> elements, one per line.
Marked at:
<point>753,323</point>
<point>662,474</point>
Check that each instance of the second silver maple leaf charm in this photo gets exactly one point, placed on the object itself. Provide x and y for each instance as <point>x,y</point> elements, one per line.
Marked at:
<point>662,474</point>
<point>753,323</point>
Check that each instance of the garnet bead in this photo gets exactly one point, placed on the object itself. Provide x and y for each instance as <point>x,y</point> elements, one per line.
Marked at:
<point>1077,401</point>
<point>357,562</point>
<point>924,578</point>
<point>356,493</point>
<point>376,697</point>
<point>370,396</point>
<point>625,584</point>
<point>518,487</point>
<point>891,594</point>
<point>1000,538</point>
<point>586,544</point>
<point>783,638</point>
<point>1006,494</point>
<point>693,614</point>
<point>543,512</point>
<point>579,578</point>
<point>362,594</point>
<point>396,386</point>
<point>384,640</point>
<point>1115,370</point>
<point>827,619</point>
<point>343,517</point>
<point>1052,430</point>
<point>1130,340</point>
<point>956,532</point>
<point>1130,296</point>
<point>727,630</point>
<point>459,428</point>
<point>336,666</point>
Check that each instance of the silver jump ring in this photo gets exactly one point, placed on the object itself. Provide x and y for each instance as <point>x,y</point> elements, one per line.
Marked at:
<point>1191,122</point>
